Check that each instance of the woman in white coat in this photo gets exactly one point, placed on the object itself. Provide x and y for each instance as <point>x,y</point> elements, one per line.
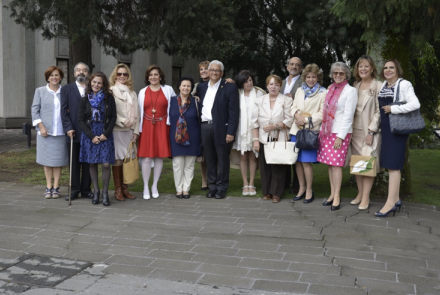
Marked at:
<point>154,142</point>
<point>394,145</point>
<point>334,137</point>
<point>271,114</point>
<point>308,103</point>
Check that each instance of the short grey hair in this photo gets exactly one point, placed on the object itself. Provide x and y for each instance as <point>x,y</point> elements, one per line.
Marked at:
<point>300,61</point>
<point>343,66</point>
<point>81,63</point>
<point>216,62</point>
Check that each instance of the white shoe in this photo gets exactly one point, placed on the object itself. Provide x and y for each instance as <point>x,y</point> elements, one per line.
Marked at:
<point>146,196</point>
<point>243,192</point>
<point>155,196</point>
<point>255,190</point>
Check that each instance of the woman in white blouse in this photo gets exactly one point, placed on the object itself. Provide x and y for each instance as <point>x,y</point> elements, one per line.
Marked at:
<point>271,114</point>
<point>248,93</point>
<point>52,151</point>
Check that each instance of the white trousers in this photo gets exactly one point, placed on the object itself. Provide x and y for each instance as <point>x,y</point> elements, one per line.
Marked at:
<point>183,168</point>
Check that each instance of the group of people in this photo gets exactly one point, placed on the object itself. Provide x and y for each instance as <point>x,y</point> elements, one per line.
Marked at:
<point>102,117</point>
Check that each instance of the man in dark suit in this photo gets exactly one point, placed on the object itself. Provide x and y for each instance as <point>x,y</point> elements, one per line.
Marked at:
<point>219,116</point>
<point>70,98</point>
<point>288,88</point>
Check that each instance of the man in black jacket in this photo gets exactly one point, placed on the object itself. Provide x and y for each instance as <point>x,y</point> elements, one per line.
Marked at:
<point>219,116</point>
<point>70,98</point>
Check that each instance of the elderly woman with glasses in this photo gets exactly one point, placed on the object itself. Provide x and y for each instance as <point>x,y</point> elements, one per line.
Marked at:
<point>337,120</point>
<point>126,129</point>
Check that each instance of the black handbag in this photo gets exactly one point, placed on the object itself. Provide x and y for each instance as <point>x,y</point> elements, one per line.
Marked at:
<point>307,139</point>
<point>407,123</point>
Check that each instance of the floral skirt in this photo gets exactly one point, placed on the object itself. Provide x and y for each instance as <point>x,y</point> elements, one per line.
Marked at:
<point>328,155</point>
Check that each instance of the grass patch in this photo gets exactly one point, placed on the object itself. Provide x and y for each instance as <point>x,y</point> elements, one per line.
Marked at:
<point>21,167</point>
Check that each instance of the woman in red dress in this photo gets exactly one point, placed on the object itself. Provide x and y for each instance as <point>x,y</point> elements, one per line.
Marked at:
<point>154,142</point>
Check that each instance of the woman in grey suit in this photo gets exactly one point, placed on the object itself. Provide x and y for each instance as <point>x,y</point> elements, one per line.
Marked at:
<point>52,151</point>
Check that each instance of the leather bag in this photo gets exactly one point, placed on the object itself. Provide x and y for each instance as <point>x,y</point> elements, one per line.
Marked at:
<point>307,138</point>
<point>282,153</point>
<point>130,166</point>
<point>406,123</point>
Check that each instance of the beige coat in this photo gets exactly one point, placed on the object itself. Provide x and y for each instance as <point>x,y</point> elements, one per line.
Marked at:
<point>313,105</point>
<point>367,116</point>
<point>262,115</point>
<point>121,111</point>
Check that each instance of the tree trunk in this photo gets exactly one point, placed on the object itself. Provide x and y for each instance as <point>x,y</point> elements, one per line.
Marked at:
<point>80,50</point>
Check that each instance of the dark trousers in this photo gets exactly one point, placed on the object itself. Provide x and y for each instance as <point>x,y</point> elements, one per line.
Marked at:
<point>273,177</point>
<point>295,182</point>
<point>217,160</point>
<point>81,180</point>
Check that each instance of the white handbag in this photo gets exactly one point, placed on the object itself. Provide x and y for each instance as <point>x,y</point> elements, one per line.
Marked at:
<point>280,153</point>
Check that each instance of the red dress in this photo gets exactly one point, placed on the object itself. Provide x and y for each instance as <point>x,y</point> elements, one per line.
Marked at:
<point>154,139</point>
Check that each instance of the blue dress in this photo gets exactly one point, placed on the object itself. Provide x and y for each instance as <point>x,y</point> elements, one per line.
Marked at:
<point>306,156</point>
<point>392,152</point>
<point>193,127</point>
<point>103,152</point>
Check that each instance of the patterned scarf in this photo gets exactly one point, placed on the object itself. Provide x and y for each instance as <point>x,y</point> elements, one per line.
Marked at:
<point>330,105</point>
<point>95,101</point>
<point>312,91</point>
<point>182,136</point>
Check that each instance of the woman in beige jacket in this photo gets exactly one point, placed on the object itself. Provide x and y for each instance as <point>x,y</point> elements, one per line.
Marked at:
<point>126,129</point>
<point>271,114</point>
<point>366,138</point>
<point>308,103</point>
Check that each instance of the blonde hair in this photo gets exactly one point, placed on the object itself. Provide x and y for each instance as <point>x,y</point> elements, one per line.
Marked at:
<point>113,76</point>
<point>312,68</point>
<point>276,78</point>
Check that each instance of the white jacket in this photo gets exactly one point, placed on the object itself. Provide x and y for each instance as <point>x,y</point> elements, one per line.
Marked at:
<point>167,90</point>
<point>343,122</point>
<point>406,95</point>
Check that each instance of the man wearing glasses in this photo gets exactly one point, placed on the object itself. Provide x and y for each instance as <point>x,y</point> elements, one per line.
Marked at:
<point>70,98</point>
<point>219,117</point>
<point>288,88</point>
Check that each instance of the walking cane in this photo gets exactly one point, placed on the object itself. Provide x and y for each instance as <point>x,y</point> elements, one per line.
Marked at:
<point>70,172</point>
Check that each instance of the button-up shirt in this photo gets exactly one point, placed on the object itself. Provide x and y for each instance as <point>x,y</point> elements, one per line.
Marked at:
<point>289,87</point>
<point>57,124</point>
<point>208,101</point>
<point>82,89</point>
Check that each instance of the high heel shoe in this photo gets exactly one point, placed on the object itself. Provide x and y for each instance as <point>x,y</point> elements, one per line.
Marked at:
<point>105,199</point>
<point>355,202</point>
<point>327,203</point>
<point>307,201</point>
<point>379,214</point>
<point>297,198</point>
<point>398,205</point>
<point>364,208</point>
<point>95,199</point>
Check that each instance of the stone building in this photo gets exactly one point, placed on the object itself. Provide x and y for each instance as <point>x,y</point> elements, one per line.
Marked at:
<point>25,55</point>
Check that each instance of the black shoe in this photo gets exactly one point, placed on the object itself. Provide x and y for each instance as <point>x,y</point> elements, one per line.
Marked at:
<point>73,197</point>
<point>186,196</point>
<point>95,199</point>
<point>211,194</point>
<point>399,205</point>
<point>179,196</point>
<point>220,194</point>
<point>307,201</point>
<point>378,214</point>
<point>105,199</point>
<point>329,203</point>
<point>297,198</point>
<point>204,188</point>
<point>334,208</point>
<point>87,195</point>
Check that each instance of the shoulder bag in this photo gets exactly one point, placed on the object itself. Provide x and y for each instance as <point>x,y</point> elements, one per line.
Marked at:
<point>307,138</point>
<point>406,123</point>
<point>276,152</point>
<point>130,166</point>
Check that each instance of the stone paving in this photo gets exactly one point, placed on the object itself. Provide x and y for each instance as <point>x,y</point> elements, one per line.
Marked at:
<point>14,140</point>
<point>239,245</point>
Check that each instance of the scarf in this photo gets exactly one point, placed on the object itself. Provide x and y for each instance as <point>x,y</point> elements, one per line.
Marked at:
<point>130,107</point>
<point>95,100</point>
<point>312,91</point>
<point>245,119</point>
<point>330,105</point>
<point>182,136</point>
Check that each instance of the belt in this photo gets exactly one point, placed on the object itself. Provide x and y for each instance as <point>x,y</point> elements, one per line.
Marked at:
<point>155,119</point>
<point>208,122</point>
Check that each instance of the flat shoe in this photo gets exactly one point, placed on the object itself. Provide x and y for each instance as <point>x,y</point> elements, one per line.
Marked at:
<point>267,197</point>
<point>186,196</point>
<point>243,192</point>
<point>276,199</point>
<point>179,196</point>
<point>327,203</point>
<point>355,202</point>
<point>204,188</point>
<point>254,192</point>
<point>364,208</point>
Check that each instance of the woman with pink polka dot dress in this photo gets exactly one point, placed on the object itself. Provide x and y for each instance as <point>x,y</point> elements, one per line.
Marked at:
<point>334,136</point>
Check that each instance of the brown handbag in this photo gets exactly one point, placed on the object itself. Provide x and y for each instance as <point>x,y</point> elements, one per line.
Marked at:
<point>130,166</point>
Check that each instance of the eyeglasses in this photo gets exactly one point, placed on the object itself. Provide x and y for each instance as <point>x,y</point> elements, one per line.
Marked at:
<point>78,70</point>
<point>215,71</point>
<point>122,74</point>
<point>338,74</point>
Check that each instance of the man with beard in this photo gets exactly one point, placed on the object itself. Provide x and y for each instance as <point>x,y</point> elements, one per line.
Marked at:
<point>288,88</point>
<point>70,98</point>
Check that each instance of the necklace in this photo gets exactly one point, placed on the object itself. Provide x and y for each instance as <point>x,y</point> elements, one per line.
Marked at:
<point>392,84</point>
<point>154,105</point>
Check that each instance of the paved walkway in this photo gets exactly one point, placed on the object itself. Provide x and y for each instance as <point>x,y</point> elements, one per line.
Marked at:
<point>14,140</point>
<point>238,245</point>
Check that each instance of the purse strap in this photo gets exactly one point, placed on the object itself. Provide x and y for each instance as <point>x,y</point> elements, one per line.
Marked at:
<point>398,91</point>
<point>285,138</point>
<point>129,155</point>
<point>311,123</point>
